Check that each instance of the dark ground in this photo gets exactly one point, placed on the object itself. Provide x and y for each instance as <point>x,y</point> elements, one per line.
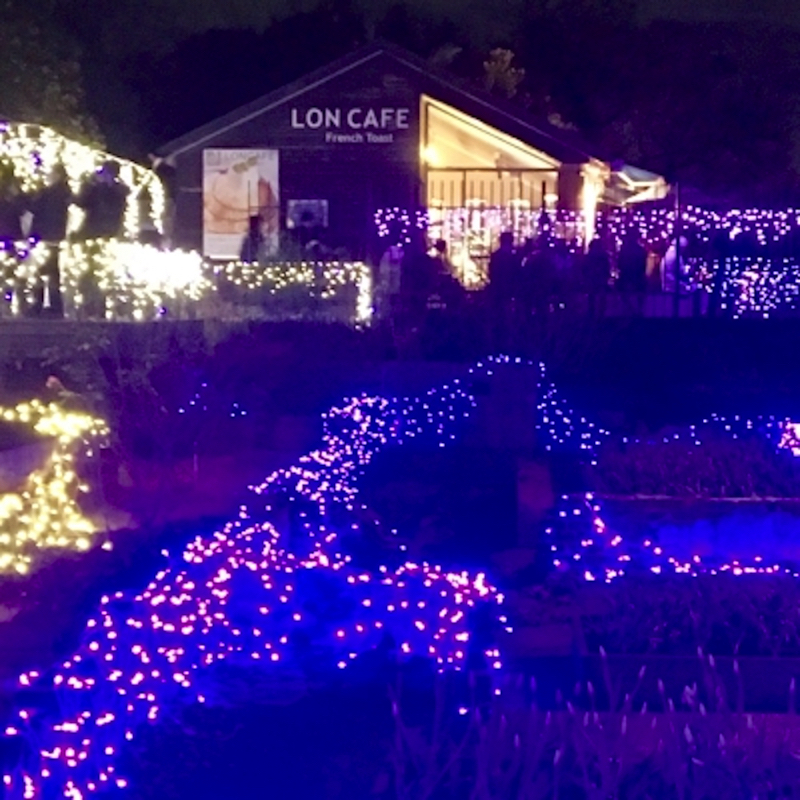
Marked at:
<point>657,370</point>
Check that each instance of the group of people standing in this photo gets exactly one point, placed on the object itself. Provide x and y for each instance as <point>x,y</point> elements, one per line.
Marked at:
<point>427,284</point>
<point>416,287</point>
<point>44,216</point>
<point>528,282</point>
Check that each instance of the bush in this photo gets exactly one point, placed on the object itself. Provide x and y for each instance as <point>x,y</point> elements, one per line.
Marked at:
<point>722,466</point>
<point>513,750</point>
<point>674,615</point>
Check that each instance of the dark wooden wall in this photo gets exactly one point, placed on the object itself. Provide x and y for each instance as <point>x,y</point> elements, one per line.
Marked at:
<point>355,179</point>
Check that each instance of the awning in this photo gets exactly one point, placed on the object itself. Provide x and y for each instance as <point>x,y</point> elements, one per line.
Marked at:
<point>629,184</point>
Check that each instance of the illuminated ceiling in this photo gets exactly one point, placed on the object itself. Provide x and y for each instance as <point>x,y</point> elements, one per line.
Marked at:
<point>454,140</point>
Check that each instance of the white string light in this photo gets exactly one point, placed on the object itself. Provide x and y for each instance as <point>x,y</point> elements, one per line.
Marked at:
<point>45,513</point>
<point>141,282</point>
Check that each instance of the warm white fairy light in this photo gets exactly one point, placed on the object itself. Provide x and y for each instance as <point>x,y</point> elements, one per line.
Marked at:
<point>21,265</point>
<point>364,301</point>
<point>141,282</point>
<point>45,513</point>
<point>330,277</point>
<point>137,281</point>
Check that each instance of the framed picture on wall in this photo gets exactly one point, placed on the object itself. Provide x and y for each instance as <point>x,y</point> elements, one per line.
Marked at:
<point>306,214</point>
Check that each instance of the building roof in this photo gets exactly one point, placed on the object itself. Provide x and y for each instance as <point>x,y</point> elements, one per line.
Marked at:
<point>562,144</point>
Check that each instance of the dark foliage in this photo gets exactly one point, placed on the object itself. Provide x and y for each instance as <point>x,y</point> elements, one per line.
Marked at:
<point>722,466</point>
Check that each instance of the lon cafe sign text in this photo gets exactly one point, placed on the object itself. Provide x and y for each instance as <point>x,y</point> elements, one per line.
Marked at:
<point>353,125</point>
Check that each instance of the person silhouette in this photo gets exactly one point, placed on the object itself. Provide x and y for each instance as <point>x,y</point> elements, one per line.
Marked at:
<point>254,243</point>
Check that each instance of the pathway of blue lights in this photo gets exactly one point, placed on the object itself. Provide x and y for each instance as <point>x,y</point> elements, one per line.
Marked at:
<point>242,596</point>
<point>580,537</point>
<point>279,577</point>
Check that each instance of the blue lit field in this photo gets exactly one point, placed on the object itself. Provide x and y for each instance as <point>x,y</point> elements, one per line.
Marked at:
<point>749,532</point>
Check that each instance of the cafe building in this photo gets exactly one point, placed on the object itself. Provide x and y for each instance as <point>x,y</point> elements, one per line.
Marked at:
<point>383,132</point>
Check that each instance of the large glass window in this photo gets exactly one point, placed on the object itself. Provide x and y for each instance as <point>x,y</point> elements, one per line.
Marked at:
<point>479,182</point>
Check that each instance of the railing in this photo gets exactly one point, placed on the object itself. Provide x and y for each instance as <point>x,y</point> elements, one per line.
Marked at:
<point>532,189</point>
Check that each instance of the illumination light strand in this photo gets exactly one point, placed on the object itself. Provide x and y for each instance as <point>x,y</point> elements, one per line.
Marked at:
<point>655,225</point>
<point>245,594</point>
<point>127,281</point>
<point>278,585</point>
<point>45,514</point>
<point>599,552</point>
<point>755,285</point>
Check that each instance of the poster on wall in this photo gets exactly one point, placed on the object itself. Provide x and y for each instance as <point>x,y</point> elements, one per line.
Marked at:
<point>237,185</point>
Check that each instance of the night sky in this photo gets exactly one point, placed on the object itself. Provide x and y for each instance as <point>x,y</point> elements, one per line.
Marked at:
<point>706,91</point>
